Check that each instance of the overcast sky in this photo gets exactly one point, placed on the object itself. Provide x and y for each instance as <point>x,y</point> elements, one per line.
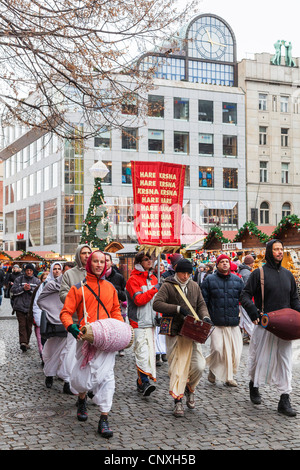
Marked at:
<point>258,24</point>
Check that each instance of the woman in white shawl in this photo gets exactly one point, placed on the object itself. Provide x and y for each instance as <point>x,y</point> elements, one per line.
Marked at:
<point>59,352</point>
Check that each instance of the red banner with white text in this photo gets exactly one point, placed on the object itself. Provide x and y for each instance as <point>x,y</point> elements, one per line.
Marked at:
<point>158,195</point>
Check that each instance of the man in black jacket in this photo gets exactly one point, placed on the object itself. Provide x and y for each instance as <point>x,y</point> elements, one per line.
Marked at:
<point>270,357</point>
<point>22,290</point>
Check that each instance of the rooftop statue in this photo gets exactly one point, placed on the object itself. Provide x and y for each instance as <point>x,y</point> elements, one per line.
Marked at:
<point>276,59</point>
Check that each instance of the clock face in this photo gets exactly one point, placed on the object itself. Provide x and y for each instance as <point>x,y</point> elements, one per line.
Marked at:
<point>210,42</point>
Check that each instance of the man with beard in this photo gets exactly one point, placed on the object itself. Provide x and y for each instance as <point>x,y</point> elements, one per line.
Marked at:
<point>270,358</point>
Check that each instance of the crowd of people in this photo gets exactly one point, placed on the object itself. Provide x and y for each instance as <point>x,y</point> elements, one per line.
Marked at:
<point>223,291</point>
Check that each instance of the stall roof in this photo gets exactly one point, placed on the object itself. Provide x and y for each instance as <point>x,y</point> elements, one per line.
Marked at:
<point>129,248</point>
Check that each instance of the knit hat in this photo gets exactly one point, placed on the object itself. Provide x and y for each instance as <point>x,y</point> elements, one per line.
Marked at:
<point>184,266</point>
<point>174,258</point>
<point>219,258</point>
<point>248,259</point>
<point>29,266</point>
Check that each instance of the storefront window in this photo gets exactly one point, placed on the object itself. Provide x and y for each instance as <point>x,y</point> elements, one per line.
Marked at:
<point>230,178</point>
<point>206,177</point>
<point>126,173</point>
<point>21,220</point>
<point>35,225</point>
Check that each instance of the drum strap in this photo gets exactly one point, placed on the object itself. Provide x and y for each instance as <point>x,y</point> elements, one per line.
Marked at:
<point>262,284</point>
<point>99,300</point>
<point>186,301</point>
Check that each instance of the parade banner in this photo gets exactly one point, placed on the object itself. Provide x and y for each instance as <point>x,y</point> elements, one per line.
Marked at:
<point>158,196</point>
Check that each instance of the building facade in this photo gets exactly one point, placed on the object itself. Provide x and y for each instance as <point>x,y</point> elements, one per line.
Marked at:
<point>273,139</point>
<point>196,117</point>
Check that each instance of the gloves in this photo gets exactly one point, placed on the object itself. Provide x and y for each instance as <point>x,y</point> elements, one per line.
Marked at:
<point>208,320</point>
<point>184,312</point>
<point>157,286</point>
<point>74,330</point>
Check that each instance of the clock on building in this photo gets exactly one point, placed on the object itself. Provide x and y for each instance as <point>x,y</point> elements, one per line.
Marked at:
<point>210,41</point>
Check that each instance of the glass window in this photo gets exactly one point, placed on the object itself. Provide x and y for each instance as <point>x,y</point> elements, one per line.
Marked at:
<point>108,177</point>
<point>206,144</point>
<point>230,145</point>
<point>55,175</point>
<point>126,173</point>
<point>181,142</point>
<point>50,222</point>
<point>21,220</point>
<point>39,181</point>
<point>34,225</point>
<point>156,106</point>
<point>262,135</point>
<point>32,184</point>
<point>284,104</point>
<point>46,185</point>
<point>229,111</point>
<point>264,213</point>
<point>263,172</point>
<point>284,173</point>
<point>262,101</point>
<point>230,178</point>
<point>103,139</point>
<point>129,138</point>
<point>25,186</point>
<point>286,209</point>
<point>205,111</point>
<point>129,104</point>
<point>155,141</point>
<point>9,222</point>
<point>206,177</point>
<point>187,176</point>
<point>284,137</point>
<point>181,108</point>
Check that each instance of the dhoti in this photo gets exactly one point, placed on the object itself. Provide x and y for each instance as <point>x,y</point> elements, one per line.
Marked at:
<point>186,364</point>
<point>59,357</point>
<point>226,349</point>
<point>144,350</point>
<point>270,360</point>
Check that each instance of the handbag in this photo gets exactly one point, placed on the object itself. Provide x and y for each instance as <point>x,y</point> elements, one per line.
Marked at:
<point>194,328</point>
<point>49,330</point>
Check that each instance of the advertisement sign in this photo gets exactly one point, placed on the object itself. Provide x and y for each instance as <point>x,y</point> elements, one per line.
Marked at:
<point>158,196</point>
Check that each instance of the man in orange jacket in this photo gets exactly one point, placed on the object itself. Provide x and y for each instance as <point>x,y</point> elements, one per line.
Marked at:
<point>97,374</point>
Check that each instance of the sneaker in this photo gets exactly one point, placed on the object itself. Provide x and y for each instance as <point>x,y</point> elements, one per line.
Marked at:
<point>254,394</point>
<point>178,410</point>
<point>164,358</point>
<point>49,382</point>
<point>284,406</point>
<point>81,410</point>
<point>190,399</point>
<point>104,429</point>
<point>211,377</point>
<point>148,389</point>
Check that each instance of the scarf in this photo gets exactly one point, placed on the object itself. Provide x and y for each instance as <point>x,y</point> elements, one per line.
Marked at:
<point>183,285</point>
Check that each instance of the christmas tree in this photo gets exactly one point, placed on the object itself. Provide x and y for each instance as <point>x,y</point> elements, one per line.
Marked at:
<point>96,230</point>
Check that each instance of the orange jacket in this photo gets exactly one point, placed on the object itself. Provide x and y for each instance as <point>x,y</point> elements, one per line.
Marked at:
<point>73,302</point>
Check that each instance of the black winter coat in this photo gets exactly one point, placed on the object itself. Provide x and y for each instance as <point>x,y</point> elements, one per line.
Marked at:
<point>280,290</point>
<point>119,284</point>
<point>22,298</point>
<point>221,294</point>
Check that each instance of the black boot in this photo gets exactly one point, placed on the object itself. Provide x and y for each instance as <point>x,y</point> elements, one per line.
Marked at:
<point>81,410</point>
<point>66,389</point>
<point>254,394</point>
<point>103,428</point>
<point>284,406</point>
<point>49,382</point>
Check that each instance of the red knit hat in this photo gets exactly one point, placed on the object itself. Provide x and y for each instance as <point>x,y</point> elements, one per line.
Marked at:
<point>219,258</point>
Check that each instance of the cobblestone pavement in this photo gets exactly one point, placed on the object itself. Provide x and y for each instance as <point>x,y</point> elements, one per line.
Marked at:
<point>36,418</point>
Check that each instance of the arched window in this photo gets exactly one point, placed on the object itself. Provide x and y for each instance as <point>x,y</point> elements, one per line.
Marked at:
<point>286,209</point>
<point>264,213</point>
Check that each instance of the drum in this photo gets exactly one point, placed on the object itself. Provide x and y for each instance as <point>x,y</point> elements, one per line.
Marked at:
<point>108,334</point>
<point>284,323</point>
<point>197,330</point>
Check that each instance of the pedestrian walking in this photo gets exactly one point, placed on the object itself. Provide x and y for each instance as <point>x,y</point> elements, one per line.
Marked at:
<point>58,351</point>
<point>160,340</point>
<point>221,291</point>
<point>270,357</point>
<point>77,274</point>
<point>35,311</point>
<point>174,258</point>
<point>22,290</point>
<point>185,359</point>
<point>141,288</point>
<point>94,372</point>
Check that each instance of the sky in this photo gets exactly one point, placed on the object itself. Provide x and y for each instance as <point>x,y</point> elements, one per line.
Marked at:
<point>258,24</point>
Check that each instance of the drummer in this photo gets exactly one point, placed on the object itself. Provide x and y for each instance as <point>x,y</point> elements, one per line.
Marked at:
<point>185,359</point>
<point>98,373</point>
<point>270,357</point>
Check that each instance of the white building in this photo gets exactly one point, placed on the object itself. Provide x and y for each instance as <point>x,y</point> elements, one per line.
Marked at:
<point>200,122</point>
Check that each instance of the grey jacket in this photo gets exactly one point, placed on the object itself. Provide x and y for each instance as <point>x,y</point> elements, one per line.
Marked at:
<point>50,302</point>
<point>22,298</point>
<point>72,276</point>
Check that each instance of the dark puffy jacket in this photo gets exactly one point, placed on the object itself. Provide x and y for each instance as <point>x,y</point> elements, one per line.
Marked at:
<point>118,282</point>
<point>221,294</point>
<point>22,298</point>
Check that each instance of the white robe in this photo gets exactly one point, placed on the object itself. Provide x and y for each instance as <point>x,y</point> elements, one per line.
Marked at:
<point>59,357</point>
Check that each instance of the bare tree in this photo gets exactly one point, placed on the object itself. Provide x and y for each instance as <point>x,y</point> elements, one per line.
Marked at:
<point>60,57</point>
